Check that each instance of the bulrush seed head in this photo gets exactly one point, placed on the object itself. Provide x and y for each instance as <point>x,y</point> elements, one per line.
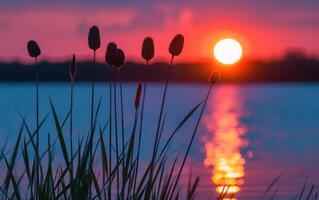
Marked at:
<point>119,59</point>
<point>214,77</point>
<point>94,38</point>
<point>33,49</point>
<point>110,54</point>
<point>148,49</point>
<point>176,45</point>
<point>138,95</point>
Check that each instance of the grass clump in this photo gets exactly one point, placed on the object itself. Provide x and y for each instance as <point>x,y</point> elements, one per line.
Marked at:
<point>103,164</point>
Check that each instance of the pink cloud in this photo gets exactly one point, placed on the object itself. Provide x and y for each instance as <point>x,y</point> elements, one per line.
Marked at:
<point>62,30</point>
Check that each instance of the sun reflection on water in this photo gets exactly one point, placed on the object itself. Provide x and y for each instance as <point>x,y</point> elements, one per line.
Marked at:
<point>224,144</point>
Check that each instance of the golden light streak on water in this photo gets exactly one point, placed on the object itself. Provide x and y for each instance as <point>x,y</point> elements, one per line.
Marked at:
<point>225,141</point>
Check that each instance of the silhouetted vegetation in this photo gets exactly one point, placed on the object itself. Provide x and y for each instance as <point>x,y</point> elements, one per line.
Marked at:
<point>75,174</point>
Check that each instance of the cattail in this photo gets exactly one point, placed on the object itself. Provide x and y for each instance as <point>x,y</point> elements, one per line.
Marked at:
<point>73,68</point>
<point>33,49</point>
<point>138,95</point>
<point>119,59</point>
<point>148,49</point>
<point>176,45</point>
<point>111,53</point>
<point>214,77</point>
<point>94,38</point>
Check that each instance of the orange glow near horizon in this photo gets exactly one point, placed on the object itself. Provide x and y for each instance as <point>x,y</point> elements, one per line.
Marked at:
<point>223,150</point>
<point>61,29</point>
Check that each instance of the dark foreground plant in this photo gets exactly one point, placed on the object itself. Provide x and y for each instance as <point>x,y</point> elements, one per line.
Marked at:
<point>91,167</point>
<point>94,43</point>
<point>34,52</point>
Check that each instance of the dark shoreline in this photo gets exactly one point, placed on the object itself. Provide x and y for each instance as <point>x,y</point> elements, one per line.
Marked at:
<point>288,70</point>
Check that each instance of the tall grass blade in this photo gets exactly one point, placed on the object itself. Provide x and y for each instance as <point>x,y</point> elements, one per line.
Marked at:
<point>273,182</point>
<point>60,136</point>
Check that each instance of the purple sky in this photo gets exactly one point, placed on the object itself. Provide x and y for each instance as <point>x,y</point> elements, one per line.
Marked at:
<point>266,29</point>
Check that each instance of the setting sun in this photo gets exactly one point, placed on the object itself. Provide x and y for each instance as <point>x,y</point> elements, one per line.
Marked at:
<point>228,51</point>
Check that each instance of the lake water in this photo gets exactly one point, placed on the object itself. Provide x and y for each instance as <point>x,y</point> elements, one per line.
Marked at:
<point>249,133</point>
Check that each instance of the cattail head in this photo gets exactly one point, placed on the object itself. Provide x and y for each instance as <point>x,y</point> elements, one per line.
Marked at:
<point>120,58</point>
<point>138,95</point>
<point>176,45</point>
<point>73,68</point>
<point>148,49</point>
<point>94,38</point>
<point>33,49</point>
<point>110,54</point>
<point>214,77</point>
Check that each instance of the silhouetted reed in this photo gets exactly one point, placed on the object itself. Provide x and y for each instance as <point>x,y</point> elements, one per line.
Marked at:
<point>214,78</point>
<point>121,176</point>
<point>118,63</point>
<point>148,49</point>
<point>176,45</point>
<point>175,49</point>
<point>34,52</point>
<point>72,78</point>
<point>115,58</point>
<point>80,176</point>
<point>94,43</point>
<point>138,96</point>
<point>110,55</point>
<point>94,38</point>
<point>119,59</point>
<point>147,53</point>
<point>33,49</point>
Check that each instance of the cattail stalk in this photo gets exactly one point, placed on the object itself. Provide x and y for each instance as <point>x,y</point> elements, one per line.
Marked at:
<point>110,132</point>
<point>38,127</point>
<point>147,53</point>
<point>72,78</point>
<point>141,127</point>
<point>175,49</point>
<point>215,77</point>
<point>122,110</point>
<point>123,130</point>
<point>94,43</point>
<point>110,55</point>
<point>93,92</point>
<point>157,138</point>
<point>35,51</point>
<point>116,136</point>
<point>119,58</point>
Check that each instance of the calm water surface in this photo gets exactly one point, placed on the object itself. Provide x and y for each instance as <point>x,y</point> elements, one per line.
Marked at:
<point>249,133</point>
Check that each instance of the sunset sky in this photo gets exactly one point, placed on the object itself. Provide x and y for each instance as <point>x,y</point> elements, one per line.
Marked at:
<point>266,28</point>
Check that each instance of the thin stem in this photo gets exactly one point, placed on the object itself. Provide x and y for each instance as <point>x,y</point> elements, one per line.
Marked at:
<point>92,92</point>
<point>37,97</point>
<point>92,118</point>
<point>141,127</point>
<point>110,132</point>
<point>157,139</point>
<point>122,110</point>
<point>37,123</point>
<point>123,129</point>
<point>116,138</point>
<point>71,125</point>
<point>192,138</point>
